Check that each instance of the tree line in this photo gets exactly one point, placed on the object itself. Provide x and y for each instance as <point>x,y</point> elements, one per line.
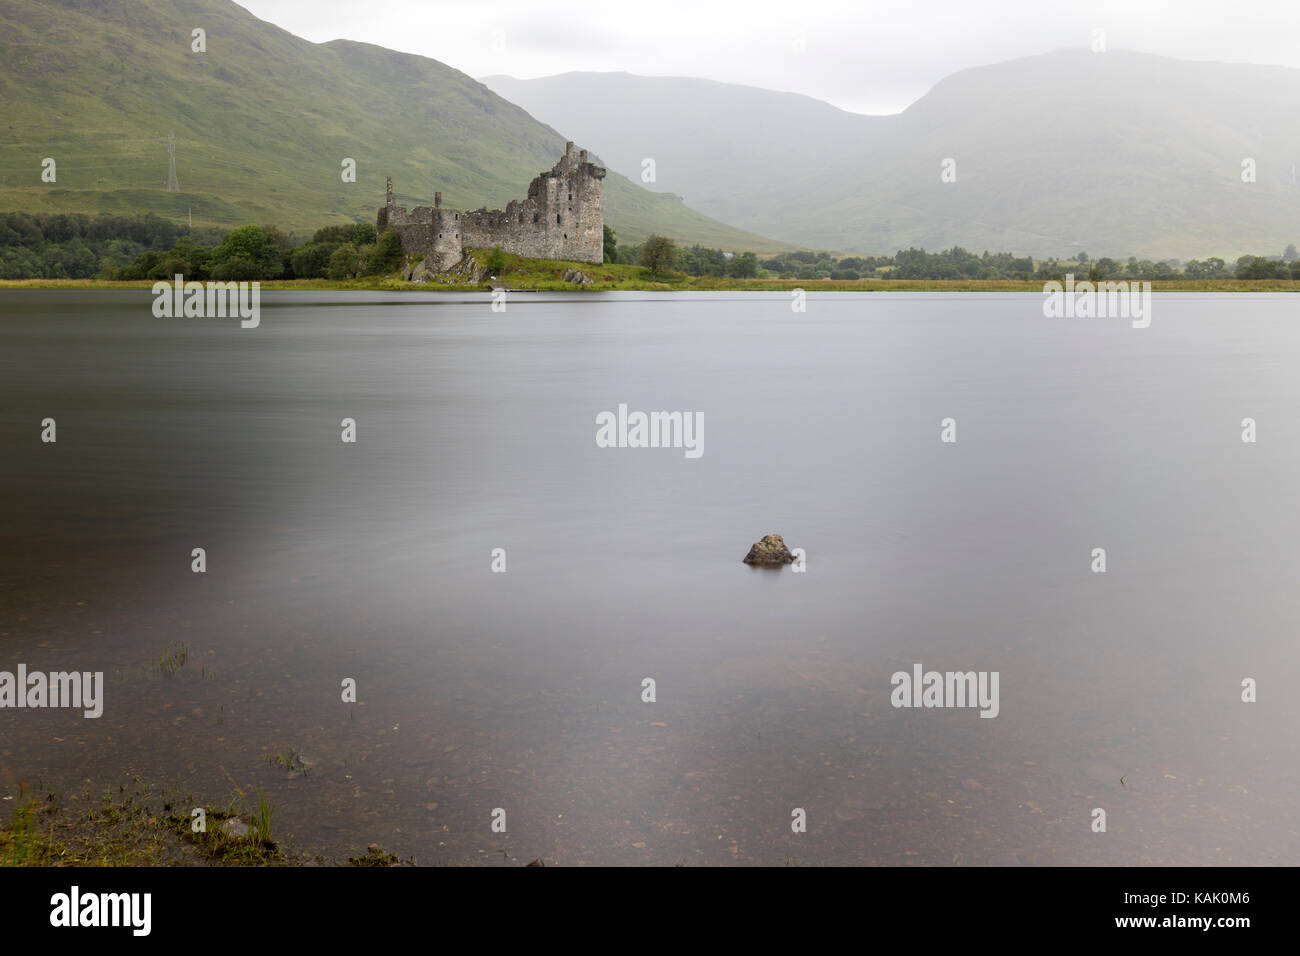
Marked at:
<point>147,246</point>
<point>663,258</point>
<point>264,252</point>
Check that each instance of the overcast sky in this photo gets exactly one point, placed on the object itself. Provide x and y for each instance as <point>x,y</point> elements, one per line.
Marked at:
<point>870,57</point>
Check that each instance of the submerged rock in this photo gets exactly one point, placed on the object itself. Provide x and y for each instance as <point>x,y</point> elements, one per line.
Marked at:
<point>771,552</point>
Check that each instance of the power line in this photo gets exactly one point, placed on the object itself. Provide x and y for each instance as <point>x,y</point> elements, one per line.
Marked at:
<point>172,185</point>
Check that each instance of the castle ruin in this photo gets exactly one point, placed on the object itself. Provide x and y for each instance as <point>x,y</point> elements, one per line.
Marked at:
<point>560,219</point>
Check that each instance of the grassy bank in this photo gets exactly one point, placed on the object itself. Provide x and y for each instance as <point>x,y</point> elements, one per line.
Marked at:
<point>137,824</point>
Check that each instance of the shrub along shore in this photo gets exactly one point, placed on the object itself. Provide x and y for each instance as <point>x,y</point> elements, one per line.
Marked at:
<point>79,251</point>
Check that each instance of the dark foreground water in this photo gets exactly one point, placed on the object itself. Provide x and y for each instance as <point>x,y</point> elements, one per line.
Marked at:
<point>523,690</point>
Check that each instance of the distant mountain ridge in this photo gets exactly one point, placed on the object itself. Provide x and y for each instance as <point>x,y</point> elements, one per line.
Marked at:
<point>1114,153</point>
<point>718,145</point>
<point>263,122</point>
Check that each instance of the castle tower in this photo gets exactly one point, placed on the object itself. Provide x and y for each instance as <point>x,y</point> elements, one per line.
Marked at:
<point>560,218</point>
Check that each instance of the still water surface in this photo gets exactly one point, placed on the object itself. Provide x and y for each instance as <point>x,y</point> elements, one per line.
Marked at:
<point>522,690</point>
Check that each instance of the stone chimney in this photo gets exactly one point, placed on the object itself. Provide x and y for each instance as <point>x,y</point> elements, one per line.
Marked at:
<point>437,200</point>
<point>388,193</point>
<point>568,149</point>
<point>582,156</point>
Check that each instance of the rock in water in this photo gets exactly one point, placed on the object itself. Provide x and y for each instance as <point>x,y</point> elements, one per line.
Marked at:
<point>771,552</point>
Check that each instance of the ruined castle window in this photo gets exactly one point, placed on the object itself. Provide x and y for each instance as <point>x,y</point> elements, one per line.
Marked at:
<point>557,218</point>
<point>537,217</point>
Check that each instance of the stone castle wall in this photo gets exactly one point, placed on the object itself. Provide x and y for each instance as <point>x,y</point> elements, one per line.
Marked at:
<point>561,218</point>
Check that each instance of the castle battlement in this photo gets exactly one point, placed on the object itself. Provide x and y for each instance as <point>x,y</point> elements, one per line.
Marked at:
<point>561,218</point>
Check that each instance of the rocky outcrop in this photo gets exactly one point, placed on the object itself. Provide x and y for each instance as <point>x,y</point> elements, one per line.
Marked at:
<point>466,271</point>
<point>771,552</point>
<point>577,277</point>
<point>422,271</point>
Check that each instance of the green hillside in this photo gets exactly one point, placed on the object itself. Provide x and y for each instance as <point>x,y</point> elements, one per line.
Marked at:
<point>263,121</point>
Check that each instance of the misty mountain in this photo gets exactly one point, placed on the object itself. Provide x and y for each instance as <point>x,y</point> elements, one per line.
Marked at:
<point>1114,153</point>
<point>719,146</point>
